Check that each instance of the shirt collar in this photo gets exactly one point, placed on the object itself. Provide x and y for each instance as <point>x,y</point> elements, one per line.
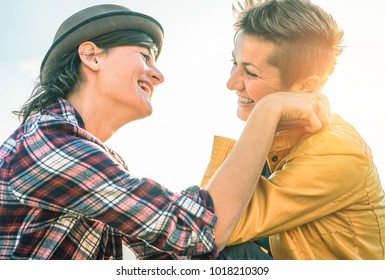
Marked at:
<point>65,109</point>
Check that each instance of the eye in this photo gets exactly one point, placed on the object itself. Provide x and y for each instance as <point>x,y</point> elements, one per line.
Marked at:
<point>146,57</point>
<point>234,62</point>
<point>251,74</point>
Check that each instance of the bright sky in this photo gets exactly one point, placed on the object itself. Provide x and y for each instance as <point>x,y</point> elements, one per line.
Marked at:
<point>173,145</point>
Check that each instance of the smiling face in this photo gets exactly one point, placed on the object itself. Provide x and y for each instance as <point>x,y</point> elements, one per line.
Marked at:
<point>252,77</point>
<point>128,77</point>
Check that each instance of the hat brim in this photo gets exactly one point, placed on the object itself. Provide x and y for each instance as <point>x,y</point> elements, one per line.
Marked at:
<point>100,25</point>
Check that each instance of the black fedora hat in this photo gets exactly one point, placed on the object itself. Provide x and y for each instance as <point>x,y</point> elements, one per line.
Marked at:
<point>95,21</point>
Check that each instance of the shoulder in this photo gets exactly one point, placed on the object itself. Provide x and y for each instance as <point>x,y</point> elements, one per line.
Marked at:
<point>339,138</point>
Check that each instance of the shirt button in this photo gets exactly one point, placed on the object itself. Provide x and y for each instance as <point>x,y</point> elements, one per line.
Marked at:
<point>274,158</point>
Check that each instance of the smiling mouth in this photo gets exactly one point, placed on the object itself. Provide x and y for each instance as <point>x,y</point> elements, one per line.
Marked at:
<point>146,87</point>
<point>245,100</point>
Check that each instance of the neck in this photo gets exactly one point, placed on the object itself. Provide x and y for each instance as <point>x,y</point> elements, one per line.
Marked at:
<point>96,113</point>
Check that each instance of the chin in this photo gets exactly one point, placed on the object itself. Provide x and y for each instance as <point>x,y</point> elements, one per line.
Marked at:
<point>146,114</point>
<point>146,111</point>
<point>243,116</point>
<point>142,115</point>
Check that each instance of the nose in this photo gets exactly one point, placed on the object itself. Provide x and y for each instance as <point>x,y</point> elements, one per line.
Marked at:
<point>156,76</point>
<point>234,82</point>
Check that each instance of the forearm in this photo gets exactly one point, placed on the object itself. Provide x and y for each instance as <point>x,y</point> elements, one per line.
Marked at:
<point>233,184</point>
<point>100,188</point>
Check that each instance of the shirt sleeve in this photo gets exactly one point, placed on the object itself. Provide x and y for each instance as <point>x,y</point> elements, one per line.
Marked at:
<point>56,168</point>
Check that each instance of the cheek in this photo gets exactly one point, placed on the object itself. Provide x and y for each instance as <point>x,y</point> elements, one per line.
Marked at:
<point>257,90</point>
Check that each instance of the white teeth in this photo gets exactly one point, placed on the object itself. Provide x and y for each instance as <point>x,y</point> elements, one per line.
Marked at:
<point>145,87</point>
<point>245,100</point>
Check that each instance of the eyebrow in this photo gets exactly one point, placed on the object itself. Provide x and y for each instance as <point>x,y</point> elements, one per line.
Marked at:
<point>250,64</point>
<point>244,64</point>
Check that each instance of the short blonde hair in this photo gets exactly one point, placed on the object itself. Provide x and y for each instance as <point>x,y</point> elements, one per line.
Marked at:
<point>307,39</point>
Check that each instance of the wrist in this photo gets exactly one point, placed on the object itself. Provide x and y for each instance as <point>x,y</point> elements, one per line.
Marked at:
<point>267,109</point>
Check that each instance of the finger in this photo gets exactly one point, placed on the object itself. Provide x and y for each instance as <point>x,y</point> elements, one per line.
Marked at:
<point>323,113</point>
<point>321,97</point>
<point>314,123</point>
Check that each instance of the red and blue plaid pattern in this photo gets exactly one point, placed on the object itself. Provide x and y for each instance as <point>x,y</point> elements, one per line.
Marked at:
<point>65,195</point>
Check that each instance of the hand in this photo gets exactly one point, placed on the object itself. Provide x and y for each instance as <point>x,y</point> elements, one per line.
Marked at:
<point>308,110</point>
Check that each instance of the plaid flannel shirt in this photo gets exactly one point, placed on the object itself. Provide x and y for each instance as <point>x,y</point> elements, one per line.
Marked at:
<point>65,195</point>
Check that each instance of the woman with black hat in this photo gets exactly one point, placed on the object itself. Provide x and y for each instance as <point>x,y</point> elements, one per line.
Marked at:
<point>65,195</point>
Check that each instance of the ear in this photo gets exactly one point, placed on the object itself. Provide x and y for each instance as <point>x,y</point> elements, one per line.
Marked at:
<point>88,53</point>
<point>309,84</point>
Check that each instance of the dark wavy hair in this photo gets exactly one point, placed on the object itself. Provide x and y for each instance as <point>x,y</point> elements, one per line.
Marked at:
<point>63,76</point>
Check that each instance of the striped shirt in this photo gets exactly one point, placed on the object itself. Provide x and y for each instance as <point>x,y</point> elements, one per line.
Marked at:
<point>65,195</point>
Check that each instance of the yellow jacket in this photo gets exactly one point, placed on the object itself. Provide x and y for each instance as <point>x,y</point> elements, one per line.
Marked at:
<point>323,200</point>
